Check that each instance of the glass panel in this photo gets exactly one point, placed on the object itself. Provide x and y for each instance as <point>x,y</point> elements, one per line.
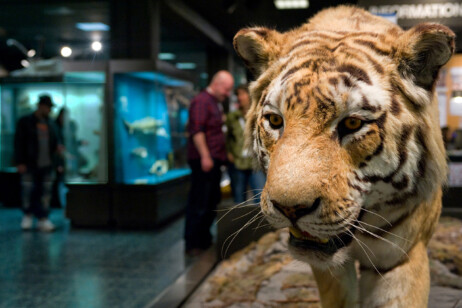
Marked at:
<point>151,112</point>
<point>81,100</point>
<point>81,129</point>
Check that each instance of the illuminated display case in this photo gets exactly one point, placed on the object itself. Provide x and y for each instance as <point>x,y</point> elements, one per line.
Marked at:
<point>145,127</point>
<point>81,96</point>
<point>151,113</point>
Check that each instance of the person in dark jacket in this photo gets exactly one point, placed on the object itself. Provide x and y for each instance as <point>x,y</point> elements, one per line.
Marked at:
<point>37,146</point>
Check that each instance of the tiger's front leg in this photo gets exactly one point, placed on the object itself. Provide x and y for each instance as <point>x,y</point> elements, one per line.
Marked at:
<point>406,285</point>
<point>338,288</point>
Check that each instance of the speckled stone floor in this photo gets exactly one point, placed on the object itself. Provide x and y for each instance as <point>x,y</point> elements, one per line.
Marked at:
<point>86,268</point>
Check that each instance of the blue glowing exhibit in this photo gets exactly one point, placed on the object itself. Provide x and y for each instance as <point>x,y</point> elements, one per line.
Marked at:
<point>151,112</point>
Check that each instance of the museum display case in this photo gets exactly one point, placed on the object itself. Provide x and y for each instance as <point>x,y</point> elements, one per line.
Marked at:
<point>146,112</point>
<point>80,95</point>
<point>151,113</point>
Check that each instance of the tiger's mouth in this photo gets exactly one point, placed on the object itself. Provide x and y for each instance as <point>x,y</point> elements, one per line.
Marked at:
<point>305,241</point>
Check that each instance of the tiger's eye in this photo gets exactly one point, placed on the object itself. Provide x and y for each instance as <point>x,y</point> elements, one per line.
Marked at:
<point>352,123</point>
<point>275,120</point>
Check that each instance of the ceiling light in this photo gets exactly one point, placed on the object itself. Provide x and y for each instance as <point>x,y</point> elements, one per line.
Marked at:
<point>291,4</point>
<point>186,65</point>
<point>66,51</point>
<point>96,46</point>
<point>31,53</point>
<point>92,26</point>
<point>166,56</point>
<point>25,63</point>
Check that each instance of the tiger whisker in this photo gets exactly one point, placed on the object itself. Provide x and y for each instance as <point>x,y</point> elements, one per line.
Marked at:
<point>361,242</point>
<point>239,205</point>
<point>235,207</point>
<point>380,238</point>
<point>378,215</point>
<point>378,228</point>
<point>250,212</point>
<point>367,255</point>
<point>262,226</point>
<point>234,234</point>
<point>255,190</point>
<point>263,218</point>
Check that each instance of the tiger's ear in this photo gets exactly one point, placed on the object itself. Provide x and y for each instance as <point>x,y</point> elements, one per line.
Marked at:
<point>422,51</point>
<point>258,47</point>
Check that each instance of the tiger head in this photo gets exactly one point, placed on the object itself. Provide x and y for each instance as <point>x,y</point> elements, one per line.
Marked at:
<point>344,122</point>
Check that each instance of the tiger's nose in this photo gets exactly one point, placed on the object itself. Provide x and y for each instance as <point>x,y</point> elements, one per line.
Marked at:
<point>296,211</point>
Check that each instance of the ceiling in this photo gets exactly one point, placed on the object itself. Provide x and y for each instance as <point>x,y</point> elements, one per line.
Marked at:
<point>48,25</point>
<point>231,15</point>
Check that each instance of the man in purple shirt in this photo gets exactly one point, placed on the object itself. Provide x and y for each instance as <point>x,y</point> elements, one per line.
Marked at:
<point>206,153</point>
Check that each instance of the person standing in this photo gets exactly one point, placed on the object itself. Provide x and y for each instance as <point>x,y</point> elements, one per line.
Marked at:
<point>240,167</point>
<point>36,145</point>
<point>206,153</point>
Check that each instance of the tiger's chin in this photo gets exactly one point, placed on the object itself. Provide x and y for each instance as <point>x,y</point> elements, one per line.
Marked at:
<point>320,253</point>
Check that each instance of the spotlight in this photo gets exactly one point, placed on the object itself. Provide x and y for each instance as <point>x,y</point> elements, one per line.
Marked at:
<point>66,51</point>
<point>291,4</point>
<point>96,46</point>
<point>31,53</point>
<point>25,63</point>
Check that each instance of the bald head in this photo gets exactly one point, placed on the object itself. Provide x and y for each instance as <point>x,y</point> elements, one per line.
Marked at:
<point>222,85</point>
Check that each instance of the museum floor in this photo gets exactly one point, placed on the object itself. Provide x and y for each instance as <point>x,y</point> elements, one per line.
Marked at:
<point>86,268</point>
<point>102,268</point>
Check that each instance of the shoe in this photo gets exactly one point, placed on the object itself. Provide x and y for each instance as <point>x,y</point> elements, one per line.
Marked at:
<point>27,222</point>
<point>45,225</point>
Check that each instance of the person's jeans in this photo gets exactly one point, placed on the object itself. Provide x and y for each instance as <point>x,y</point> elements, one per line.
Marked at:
<point>203,198</point>
<point>241,179</point>
<point>36,191</point>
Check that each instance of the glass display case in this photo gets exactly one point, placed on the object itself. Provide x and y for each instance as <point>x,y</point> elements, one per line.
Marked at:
<point>150,117</point>
<point>146,113</point>
<point>80,96</point>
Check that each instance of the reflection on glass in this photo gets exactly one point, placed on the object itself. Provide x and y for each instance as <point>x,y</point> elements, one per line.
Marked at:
<point>150,127</point>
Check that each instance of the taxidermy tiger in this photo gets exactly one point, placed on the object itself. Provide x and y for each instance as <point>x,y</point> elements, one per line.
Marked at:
<point>344,121</point>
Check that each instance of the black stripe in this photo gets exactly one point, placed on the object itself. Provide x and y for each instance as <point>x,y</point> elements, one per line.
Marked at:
<point>401,184</point>
<point>367,106</point>
<point>372,45</point>
<point>347,81</point>
<point>395,106</point>
<point>333,81</point>
<point>305,42</point>
<point>399,199</point>
<point>422,165</point>
<point>397,87</point>
<point>356,72</point>
<point>358,54</point>
<point>263,99</point>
